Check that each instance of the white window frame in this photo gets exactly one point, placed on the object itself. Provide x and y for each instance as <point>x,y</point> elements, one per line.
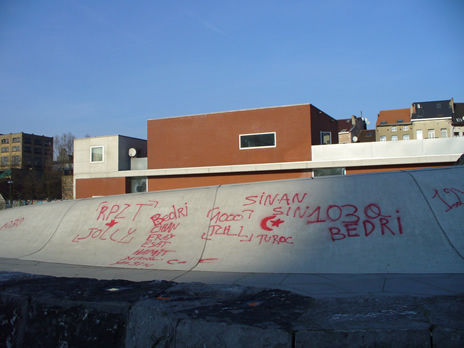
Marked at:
<point>405,128</point>
<point>383,138</point>
<point>394,138</point>
<point>103,153</point>
<point>394,129</point>
<point>444,133</point>
<point>419,134</point>
<point>431,134</point>
<point>256,147</point>
<point>405,136</point>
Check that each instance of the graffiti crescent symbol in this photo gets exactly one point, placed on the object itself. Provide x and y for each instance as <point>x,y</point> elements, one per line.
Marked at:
<point>264,221</point>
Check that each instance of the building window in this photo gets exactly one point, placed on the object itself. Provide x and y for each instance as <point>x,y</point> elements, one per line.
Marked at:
<point>419,134</point>
<point>394,129</point>
<point>27,149</point>
<point>37,162</point>
<point>444,133</point>
<point>456,134</point>
<point>37,150</point>
<point>5,149</point>
<point>15,148</point>
<point>96,154</point>
<point>248,141</point>
<point>431,133</point>
<point>394,138</point>
<point>138,184</point>
<point>48,143</point>
<point>16,140</point>
<point>5,161</point>
<point>329,171</point>
<point>405,136</point>
<point>27,140</point>
<point>15,160</point>
<point>5,141</point>
<point>405,128</point>
<point>37,141</point>
<point>383,138</point>
<point>326,138</point>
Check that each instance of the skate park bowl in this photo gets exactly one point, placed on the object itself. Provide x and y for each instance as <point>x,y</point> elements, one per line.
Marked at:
<point>390,222</point>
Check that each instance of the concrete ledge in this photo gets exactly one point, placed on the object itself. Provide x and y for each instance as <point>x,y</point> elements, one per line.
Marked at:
<point>65,312</point>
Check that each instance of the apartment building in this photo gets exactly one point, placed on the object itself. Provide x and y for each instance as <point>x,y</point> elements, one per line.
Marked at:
<point>25,151</point>
<point>432,119</point>
<point>394,125</point>
<point>423,120</point>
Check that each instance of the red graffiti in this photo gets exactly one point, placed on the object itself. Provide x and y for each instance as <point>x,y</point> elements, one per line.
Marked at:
<point>116,211</point>
<point>274,239</point>
<point>271,199</point>
<point>453,198</point>
<point>211,260</point>
<point>12,223</point>
<point>175,214</point>
<point>274,223</point>
<point>225,231</point>
<point>98,233</point>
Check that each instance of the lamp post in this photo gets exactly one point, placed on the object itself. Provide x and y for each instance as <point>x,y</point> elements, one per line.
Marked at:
<point>10,182</point>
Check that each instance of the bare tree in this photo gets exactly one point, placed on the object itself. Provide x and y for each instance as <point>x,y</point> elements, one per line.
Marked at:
<point>63,148</point>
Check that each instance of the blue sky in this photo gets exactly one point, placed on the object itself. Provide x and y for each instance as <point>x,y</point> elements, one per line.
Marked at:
<point>104,67</point>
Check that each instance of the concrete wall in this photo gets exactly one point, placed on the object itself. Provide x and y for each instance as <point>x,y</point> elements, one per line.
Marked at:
<point>372,223</point>
<point>385,150</point>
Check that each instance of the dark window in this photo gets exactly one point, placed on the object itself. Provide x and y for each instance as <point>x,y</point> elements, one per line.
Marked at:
<point>5,141</point>
<point>16,140</point>
<point>5,149</point>
<point>37,150</point>
<point>16,148</point>
<point>383,122</point>
<point>37,141</point>
<point>27,140</point>
<point>257,140</point>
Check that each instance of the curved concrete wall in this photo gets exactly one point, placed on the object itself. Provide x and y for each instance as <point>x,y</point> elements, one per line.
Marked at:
<point>396,222</point>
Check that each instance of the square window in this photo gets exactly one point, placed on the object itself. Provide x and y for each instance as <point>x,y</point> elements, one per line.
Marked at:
<point>394,138</point>
<point>405,128</point>
<point>383,138</point>
<point>326,138</point>
<point>96,154</point>
<point>405,136</point>
<point>249,141</point>
<point>394,129</point>
<point>5,149</point>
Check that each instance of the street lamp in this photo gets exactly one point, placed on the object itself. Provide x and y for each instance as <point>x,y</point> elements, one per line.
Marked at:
<point>10,182</point>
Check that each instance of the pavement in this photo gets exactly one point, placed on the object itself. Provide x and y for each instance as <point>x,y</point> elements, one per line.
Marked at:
<point>83,306</point>
<point>321,285</point>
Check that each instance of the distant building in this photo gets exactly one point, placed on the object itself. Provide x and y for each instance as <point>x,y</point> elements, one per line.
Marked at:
<point>222,147</point>
<point>287,142</point>
<point>25,151</point>
<point>349,129</point>
<point>367,135</point>
<point>432,119</point>
<point>457,122</point>
<point>394,125</point>
<point>423,120</point>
